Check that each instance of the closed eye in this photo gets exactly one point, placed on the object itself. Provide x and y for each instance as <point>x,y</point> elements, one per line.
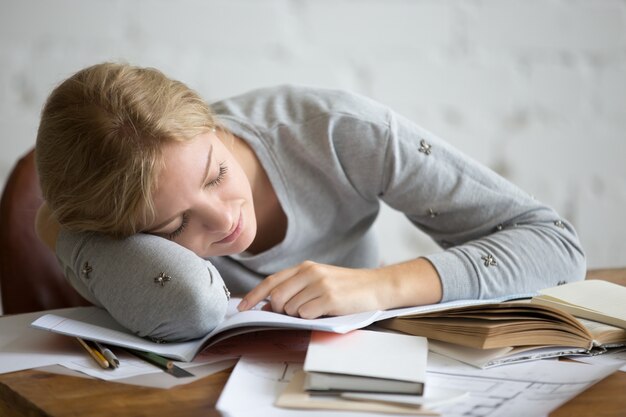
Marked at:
<point>220,176</point>
<point>181,228</point>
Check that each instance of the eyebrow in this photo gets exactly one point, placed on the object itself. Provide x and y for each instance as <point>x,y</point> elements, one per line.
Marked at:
<point>207,170</point>
<point>205,178</point>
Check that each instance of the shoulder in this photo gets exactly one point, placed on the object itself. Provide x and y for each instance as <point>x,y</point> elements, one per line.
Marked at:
<point>291,103</point>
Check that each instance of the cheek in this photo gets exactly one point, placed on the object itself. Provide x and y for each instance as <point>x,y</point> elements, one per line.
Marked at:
<point>192,244</point>
<point>239,180</point>
<point>194,238</point>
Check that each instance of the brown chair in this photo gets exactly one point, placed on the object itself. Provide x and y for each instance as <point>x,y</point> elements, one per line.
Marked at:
<point>30,276</point>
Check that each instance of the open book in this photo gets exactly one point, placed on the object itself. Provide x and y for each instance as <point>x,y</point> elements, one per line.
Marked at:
<point>508,324</point>
<point>510,332</point>
<point>94,323</point>
<point>595,299</point>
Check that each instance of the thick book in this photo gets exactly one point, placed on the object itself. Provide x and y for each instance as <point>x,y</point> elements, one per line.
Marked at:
<point>596,300</point>
<point>366,361</point>
<point>95,323</point>
<point>515,324</point>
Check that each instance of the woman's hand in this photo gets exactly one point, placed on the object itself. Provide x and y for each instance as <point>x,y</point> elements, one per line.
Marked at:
<point>311,290</point>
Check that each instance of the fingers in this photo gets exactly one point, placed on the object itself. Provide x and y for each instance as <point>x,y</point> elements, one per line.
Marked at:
<point>307,306</point>
<point>311,290</point>
<point>299,305</point>
<point>287,290</point>
<point>265,288</point>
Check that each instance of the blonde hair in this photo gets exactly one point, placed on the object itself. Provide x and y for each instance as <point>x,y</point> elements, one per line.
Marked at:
<point>100,140</point>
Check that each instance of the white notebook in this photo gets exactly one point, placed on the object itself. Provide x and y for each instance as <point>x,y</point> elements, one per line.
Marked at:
<point>366,361</point>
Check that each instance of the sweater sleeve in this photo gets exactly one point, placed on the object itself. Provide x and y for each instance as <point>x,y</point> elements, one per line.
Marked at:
<point>150,285</point>
<point>497,239</point>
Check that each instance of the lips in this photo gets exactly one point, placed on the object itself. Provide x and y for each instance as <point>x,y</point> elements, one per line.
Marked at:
<point>235,233</point>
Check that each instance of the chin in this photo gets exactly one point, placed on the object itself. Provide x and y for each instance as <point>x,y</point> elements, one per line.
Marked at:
<point>242,244</point>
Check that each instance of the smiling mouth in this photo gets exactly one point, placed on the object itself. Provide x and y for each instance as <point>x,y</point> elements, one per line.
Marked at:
<point>235,234</point>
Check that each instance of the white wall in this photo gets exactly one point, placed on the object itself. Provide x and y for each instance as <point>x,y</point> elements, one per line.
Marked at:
<point>535,89</point>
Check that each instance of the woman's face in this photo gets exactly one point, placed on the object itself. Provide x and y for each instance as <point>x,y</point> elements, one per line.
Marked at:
<point>203,199</point>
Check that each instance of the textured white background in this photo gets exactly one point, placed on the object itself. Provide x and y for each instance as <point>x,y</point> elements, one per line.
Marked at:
<point>535,89</point>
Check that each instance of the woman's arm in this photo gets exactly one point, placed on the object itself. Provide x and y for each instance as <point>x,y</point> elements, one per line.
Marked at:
<point>150,285</point>
<point>497,239</point>
<point>311,290</point>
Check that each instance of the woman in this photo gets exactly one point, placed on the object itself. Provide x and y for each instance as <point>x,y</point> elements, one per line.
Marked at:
<point>277,189</point>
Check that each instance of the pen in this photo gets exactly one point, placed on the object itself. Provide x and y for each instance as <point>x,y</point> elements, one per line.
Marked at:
<point>110,356</point>
<point>97,356</point>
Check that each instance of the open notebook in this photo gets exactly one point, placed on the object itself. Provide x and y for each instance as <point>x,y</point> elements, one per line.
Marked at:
<point>94,323</point>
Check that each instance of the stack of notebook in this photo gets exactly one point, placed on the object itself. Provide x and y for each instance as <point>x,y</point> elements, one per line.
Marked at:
<point>366,361</point>
<point>366,371</point>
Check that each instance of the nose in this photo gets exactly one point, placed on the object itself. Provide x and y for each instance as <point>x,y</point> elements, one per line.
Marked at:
<point>215,216</point>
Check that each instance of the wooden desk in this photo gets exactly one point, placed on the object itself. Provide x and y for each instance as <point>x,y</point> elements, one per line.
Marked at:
<point>36,393</point>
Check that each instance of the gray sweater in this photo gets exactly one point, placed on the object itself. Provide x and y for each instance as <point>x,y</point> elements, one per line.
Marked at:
<point>332,157</point>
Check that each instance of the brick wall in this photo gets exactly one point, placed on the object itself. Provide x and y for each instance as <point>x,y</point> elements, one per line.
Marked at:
<point>535,89</point>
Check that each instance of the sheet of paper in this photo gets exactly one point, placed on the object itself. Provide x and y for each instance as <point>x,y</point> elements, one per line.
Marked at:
<point>259,380</point>
<point>526,389</point>
<point>473,356</point>
<point>23,347</point>
<point>153,379</point>
<point>166,381</point>
<point>131,366</point>
<point>613,358</point>
<point>432,397</point>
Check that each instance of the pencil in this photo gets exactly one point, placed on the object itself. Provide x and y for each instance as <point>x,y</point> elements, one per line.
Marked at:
<point>97,356</point>
<point>153,358</point>
<point>161,362</point>
<point>106,352</point>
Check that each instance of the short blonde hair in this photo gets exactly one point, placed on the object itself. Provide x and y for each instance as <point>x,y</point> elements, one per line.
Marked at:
<point>100,140</point>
